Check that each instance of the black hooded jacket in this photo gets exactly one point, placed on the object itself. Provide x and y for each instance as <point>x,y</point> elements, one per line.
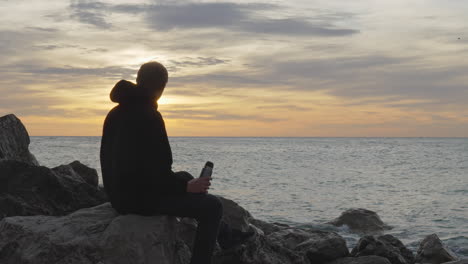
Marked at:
<point>136,157</point>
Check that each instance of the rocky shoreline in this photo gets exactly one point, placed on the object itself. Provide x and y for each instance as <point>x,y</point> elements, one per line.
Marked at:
<point>61,215</point>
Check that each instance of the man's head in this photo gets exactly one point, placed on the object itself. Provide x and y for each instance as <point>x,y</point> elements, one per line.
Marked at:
<point>152,76</point>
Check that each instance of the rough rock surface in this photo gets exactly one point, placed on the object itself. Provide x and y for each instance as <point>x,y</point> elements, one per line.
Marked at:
<point>386,246</point>
<point>432,250</point>
<point>317,246</point>
<point>91,235</point>
<point>100,235</point>
<point>288,245</point>
<point>361,220</point>
<point>361,260</point>
<point>258,250</point>
<point>266,227</point>
<point>78,170</point>
<point>35,190</point>
<point>462,261</point>
<point>14,140</point>
<point>234,215</point>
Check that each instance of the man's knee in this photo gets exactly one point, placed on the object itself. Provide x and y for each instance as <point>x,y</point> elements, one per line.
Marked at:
<point>184,175</point>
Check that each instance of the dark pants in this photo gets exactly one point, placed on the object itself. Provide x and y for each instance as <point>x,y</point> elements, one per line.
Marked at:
<point>207,209</point>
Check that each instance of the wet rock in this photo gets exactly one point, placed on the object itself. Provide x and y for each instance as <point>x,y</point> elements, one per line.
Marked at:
<point>361,260</point>
<point>386,246</point>
<point>14,140</point>
<point>35,190</point>
<point>432,250</point>
<point>91,235</point>
<point>361,221</point>
<point>266,227</point>
<point>317,246</point>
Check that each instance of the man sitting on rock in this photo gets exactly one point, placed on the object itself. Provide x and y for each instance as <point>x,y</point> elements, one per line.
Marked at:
<point>136,163</point>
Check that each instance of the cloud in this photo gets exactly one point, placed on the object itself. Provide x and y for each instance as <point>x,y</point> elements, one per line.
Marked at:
<point>335,67</point>
<point>277,73</point>
<point>237,17</point>
<point>376,80</point>
<point>104,72</point>
<point>17,44</point>
<point>293,26</point>
<point>224,80</point>
<point>190,62</point>
<point>43,29</point>
<point>91,13</point>
<point>282,107</point>
<point>215,15</point>
<point>21,101</point>
<point>213,115</point>
<point>67,46</point>
<point>198,61</point>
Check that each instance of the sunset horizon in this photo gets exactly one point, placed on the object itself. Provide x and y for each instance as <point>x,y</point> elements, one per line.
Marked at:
<point>241,69</point>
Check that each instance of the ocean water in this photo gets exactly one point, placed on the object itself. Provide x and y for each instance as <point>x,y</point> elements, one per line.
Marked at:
<point>419,186</point>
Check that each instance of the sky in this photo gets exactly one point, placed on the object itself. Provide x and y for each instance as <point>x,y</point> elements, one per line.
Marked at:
<point>298,68</point>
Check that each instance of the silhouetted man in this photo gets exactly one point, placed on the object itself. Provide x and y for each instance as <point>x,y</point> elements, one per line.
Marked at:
<point>136,162</point>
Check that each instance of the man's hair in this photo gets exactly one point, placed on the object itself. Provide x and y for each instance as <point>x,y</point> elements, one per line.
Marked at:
<point>153,73</point>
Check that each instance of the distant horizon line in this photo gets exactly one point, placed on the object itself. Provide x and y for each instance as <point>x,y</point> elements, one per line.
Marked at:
<point>465,137</point>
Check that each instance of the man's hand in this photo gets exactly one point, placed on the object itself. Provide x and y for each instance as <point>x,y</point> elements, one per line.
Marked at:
<point>199,185</point>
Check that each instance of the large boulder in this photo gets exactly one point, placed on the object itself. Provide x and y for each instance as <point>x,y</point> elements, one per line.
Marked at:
<point>35,190</point>
<point>14,140</point>
<point>317,246</point>
<point>266,227</point>
<point>258,250</point>
<point>386,246</point>
<point>99,235</point>
<point>91,235</point>
<point>234,215</point>
<point>361,220</point>
<point>286,246</point>
<point>432,250</point>
<point>361,260</point>
<point>78,170</point>
<point>462,261</point>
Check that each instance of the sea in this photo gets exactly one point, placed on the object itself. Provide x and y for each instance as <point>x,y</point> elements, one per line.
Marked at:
<point>419,186</point>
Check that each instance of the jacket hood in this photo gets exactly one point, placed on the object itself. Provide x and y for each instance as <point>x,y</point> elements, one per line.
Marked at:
<point>127,92</point>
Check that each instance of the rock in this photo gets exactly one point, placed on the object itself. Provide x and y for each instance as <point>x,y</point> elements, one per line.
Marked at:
<point>462,261</point>
<point>361,260</point>
<point>386,246</point>
<point>266,227</point>
<point>361,221</point>
<point>286,246</point>
<point>186,231</point>
<point>317,246</point>
<point>91,235</point>
<point>77,169</point>
<point>14,140</point>
<point>234,215</point>
<point>258,250</point>
<point>432,250</point>
<point>32,190</point>
<point>100,235</point>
